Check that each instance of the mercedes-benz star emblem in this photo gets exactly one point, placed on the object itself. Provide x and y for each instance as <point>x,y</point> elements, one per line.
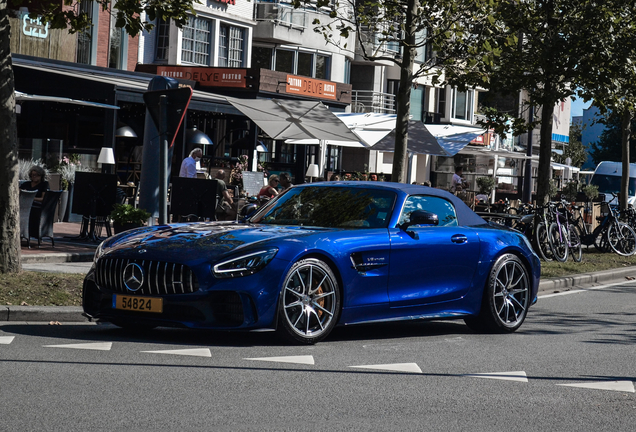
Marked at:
<point>133,276</point>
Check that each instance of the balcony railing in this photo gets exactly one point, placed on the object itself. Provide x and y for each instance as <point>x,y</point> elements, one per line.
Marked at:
<point>281,14</point>
<point>366,101</point>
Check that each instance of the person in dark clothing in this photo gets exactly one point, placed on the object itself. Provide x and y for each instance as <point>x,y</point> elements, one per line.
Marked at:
<point>37,183</point>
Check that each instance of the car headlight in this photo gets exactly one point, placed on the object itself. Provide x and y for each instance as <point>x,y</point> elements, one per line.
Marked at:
<point>99,252</point>
<point>244,265</point>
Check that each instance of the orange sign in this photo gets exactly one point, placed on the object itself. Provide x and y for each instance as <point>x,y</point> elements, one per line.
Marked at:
<point>207,77</point>
<point>311,87</point>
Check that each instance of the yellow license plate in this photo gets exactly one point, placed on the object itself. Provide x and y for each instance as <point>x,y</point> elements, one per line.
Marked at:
<point>139,304</point>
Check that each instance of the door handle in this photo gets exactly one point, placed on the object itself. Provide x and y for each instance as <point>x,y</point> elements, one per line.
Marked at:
<point>459,238</point>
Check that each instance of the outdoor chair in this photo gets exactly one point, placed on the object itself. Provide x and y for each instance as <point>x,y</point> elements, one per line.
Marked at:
<point>42,218</point>
<point>26,202</point>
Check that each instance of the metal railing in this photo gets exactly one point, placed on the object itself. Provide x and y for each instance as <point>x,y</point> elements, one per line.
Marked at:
<point>281,14</point>
<point>367,101</point>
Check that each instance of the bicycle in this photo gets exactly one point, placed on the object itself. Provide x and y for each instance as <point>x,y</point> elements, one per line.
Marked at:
<point>541,223</point>
<point>563,236</point>
<point>619,236</point>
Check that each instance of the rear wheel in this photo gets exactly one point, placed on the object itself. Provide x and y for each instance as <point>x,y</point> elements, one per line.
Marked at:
<point>576,248</point>
<point>542,243</point>
<point>622,239</point>
<point>309,305</point>
<point>558,239</point>
<point>506,297</point>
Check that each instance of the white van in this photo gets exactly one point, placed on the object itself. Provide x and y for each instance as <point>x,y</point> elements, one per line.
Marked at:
<point>607,176</point>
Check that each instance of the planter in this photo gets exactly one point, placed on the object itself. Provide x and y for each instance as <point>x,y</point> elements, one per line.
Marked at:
<point>119,228</point>
<point>62,207</point>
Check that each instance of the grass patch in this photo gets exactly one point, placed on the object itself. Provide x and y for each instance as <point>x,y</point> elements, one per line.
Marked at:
<point>41,289</point>
<point>65,289</point>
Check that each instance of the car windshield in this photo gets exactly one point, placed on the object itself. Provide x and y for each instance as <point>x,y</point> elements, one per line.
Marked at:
<point>331,207</point>
<point>611,183</point>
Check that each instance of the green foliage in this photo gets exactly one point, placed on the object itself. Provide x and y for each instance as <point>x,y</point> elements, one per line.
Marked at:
<point>552,189</point>
<point>608,147</point>
<point>570,191</point>
<point>590,191</point>
<point>485,184</point>
<point>126,213</point>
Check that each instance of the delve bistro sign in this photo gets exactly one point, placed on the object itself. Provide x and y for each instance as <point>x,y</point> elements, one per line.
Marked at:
<point>311,87</point>
<point>205,76</point>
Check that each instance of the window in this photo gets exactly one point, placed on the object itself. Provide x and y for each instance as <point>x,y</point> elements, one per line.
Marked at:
<point>84,43</point>
<point>196,41</point>
<point>231,46</point>
<point>262,57</point>
<point>116,43</point>
<point>442,208</point>
<point>163,39</point>
<point>441,101</point>
<point>285,61</point>
<point>417,103</point>
<point>462,105</point>
<point>347,73</point>
<point>305,64</point>
<point>322,67</point>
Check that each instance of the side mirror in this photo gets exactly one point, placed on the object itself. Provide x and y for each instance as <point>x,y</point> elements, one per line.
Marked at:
<point>421,217</point>
<point>248,210</point>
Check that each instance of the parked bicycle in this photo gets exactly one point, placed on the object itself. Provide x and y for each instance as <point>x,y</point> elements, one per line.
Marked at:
<point>563,235</point>
<point>611,232</point>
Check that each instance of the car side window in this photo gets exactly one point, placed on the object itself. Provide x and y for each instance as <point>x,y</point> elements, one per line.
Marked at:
<point>441,207</point>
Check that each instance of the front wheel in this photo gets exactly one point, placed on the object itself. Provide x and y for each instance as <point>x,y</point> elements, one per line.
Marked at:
<point>575,243</point>
<point>506,297</point>
<point>542,243</point>
<point>558,238</point>
<point>622,239</point>
<point>309,305</point>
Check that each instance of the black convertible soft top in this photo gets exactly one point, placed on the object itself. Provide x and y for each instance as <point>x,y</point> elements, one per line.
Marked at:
<point>465,216</point>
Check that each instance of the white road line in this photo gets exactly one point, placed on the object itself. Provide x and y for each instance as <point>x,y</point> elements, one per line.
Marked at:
<point>394,367</point>
<point>307,359</point>
<point>197,352</point>
<point>506,376</point>
<point>624,386</point>
<point>100,346</point>
<point>599,287</point>
<point>6,340</point>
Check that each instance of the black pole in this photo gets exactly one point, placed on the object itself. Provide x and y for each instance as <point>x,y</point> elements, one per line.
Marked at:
<point>527,173</point>
<point>163,160</point>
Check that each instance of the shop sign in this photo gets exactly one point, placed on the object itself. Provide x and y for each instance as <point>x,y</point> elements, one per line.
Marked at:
<point>311,87</point>
<point>34,27</point>
<point>206,77</point>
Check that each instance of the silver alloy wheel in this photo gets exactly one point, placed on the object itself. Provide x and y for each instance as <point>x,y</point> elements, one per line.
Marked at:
<point>310,300</point>
<point>511,293</point>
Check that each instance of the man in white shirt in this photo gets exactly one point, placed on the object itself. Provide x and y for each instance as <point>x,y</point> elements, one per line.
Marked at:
<point>189,164</point>
<point>458,181</point>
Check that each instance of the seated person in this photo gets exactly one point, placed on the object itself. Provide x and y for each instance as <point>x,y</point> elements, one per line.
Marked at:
<point>37,183</point>
<point>225,201</point>
<point>268,192</point>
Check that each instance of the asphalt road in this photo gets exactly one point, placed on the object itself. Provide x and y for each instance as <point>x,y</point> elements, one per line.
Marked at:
<point>570,367</point>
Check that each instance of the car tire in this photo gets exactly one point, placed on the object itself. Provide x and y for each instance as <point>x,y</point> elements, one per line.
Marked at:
<point>506,297</point>
<point>310,302</point>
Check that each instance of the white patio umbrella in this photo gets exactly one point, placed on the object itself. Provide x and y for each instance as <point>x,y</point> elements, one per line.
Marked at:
<point>24,97</point>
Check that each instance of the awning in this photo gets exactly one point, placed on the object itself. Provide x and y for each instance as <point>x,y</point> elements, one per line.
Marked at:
<point>480,151</point>
<point>368,127</point>
<point>294,119</point>
<point>433,139</point>
<point>24,97</point>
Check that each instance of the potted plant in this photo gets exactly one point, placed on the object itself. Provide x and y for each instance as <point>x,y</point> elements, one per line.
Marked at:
<point>125,217</point>
<point>485,185</point>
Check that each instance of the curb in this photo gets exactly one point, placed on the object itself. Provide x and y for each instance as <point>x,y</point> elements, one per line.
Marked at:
<point>586,279</point>
<point>58,257</point>
<point>42,313</point>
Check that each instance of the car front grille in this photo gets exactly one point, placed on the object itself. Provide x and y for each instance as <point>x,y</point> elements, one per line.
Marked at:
<point>159,278</point>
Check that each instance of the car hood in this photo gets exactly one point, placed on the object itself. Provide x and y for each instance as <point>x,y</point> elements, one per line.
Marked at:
<point>198,242</point>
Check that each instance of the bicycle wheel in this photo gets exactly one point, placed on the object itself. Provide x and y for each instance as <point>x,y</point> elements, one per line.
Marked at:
<point>621,238</point>
<point>541,242</point>
<point>558,238</point>
<point>575,243</point>
<point>600,239</point>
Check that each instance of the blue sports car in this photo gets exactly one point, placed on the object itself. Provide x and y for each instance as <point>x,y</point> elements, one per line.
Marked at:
<point>318,256</point>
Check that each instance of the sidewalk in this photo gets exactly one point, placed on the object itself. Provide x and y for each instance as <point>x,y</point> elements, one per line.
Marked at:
<point>68,250</point>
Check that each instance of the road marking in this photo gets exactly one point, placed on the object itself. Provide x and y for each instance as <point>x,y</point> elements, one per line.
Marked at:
<point>577,291</point>
<point>395,367</point>
<point>506,376</point>
<point>6,340</point>
<point>307,359</point>
<point>197,352</point>
<point>100,346</point>
<point>624,386</point>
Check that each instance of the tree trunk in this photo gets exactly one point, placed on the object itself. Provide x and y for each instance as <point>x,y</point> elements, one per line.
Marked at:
<point>398,173</point>
<point>9,196</point>
<point>626,126</point>
<point>545,154</point>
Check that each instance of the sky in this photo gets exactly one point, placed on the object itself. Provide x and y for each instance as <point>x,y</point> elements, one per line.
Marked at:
<point>577,107</point>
